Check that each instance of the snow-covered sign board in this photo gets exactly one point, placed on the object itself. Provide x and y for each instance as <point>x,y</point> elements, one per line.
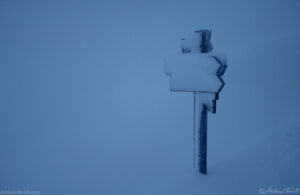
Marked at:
<point>194,72</point>
<point>198,70</point>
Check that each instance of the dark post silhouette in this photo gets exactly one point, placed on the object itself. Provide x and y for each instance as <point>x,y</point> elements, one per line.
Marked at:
<point>203,141</point>
<point>205,48</point>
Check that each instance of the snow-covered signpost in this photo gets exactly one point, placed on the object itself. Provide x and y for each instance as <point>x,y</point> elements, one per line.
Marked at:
<point>198,70</point>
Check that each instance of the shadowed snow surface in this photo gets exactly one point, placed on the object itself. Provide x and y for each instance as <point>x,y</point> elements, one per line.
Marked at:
<point>85,107</point>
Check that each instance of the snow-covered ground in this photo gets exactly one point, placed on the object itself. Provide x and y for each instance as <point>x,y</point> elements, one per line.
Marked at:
<point>85,107</point>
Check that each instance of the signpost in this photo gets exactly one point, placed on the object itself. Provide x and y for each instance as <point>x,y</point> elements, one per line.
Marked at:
<point>198,70</point>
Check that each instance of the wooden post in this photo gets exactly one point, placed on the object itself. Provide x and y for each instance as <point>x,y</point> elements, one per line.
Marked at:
<point>200,135</point>
<point>204,96</point>
<point>203,141</point>
<point>200,112</point>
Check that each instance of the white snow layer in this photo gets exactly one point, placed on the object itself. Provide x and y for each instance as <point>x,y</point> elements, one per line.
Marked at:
<point>193,72</point>
<point>85,106</point>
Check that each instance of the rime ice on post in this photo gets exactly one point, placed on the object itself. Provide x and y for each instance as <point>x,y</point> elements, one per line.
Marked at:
<point>198,70</point>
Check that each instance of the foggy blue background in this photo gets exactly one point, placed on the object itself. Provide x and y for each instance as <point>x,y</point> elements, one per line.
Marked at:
<point>85,107</point>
